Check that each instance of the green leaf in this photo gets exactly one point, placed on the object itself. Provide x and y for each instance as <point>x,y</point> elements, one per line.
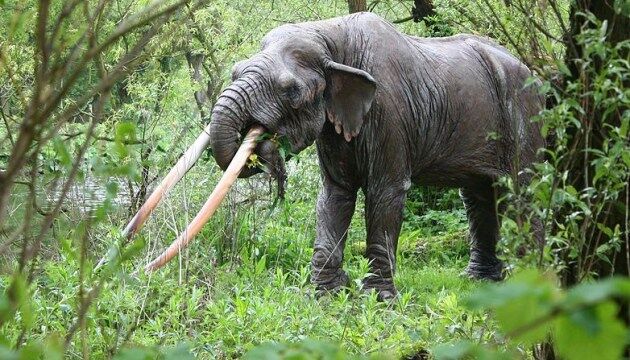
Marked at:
<point>457,350</point>
<point>528,294</point>
<point>590,333</point>
<point>32,350</point>
<point>20,299</point>
<point>467,350</point>
<point>529,81</point>
<point>622,7</point>
<point>136,354</point>
<point>605,229</point>
<point>7,354</point>
<point>626,158</point>
<point>132,250</point>
<point>562,66</point>
<point>125,131</point>
<point>266,351</point>
<point>591,293</point>
<point>68,249</point>
<point>6,310</point>
<point>53,347</point>
<point>62,152</point>
<point>261,265</point>
<point>307,349</point>
<point>180,352</point>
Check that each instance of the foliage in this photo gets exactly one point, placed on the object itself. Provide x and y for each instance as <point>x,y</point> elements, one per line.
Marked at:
<point>582,321</point>
<point>305,350</point>
<point>566,209</point>
<point>255,287</point>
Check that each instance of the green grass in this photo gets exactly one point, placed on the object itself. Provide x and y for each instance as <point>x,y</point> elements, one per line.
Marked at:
<point>225,311</point>
<point>245,281</point>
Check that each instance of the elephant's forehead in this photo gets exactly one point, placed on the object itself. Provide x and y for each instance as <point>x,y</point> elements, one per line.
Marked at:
<point>289,52</point>
<point>280,33</point>
<point>290,38</point>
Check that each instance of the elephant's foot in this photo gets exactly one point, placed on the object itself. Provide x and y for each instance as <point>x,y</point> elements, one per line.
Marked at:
<point>491,269</point>
<point>329,282</point>
<point>385,288</point>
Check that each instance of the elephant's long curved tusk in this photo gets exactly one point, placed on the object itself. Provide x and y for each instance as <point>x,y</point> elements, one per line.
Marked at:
<point>213,202</point>
<point>185,163</point>
<point>178,171</point>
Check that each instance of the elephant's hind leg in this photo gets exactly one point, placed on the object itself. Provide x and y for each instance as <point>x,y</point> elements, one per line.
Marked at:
<point>484,232</point>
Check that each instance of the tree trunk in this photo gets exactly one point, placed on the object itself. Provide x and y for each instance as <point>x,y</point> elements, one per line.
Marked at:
<point>421,9</point>
<point>357,6</point>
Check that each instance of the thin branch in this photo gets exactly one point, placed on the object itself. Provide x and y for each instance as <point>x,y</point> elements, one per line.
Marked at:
<point>27,134</point>
<point>399,21</point>
<point>104,138</point>
<point>124,28</point>
<point>67,10</point>
<point>4,64</point>
<point>506,33</point>
<point>48,220</point>
<point>6,124</point>
<point>565,31</point>
<point>122,68</point>
<point>531,20</point>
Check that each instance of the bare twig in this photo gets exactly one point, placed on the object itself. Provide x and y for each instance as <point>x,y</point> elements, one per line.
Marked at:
<point>6,124</point>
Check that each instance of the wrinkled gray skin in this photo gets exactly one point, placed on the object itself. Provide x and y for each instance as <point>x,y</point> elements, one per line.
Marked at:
<point>386,110</point>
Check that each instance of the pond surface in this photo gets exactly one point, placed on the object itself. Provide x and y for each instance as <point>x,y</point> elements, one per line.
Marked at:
<point>88,193</point>
<point>85,195</point>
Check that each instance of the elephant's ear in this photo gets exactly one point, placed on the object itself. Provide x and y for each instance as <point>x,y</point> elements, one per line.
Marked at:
<point>349,94</point>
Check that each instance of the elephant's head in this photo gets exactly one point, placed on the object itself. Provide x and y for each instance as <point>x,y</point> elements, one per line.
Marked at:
<point>289,87</point>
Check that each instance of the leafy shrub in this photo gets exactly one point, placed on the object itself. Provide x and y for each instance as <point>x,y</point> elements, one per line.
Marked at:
<point>530,308</point>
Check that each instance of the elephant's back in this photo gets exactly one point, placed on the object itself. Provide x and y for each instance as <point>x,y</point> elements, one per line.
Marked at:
<point>483,85</point>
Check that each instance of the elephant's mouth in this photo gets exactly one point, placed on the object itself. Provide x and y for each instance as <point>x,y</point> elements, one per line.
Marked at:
<point>270,156</point>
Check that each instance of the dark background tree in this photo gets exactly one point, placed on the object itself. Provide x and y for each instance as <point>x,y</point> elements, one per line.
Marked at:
<point>357,6</point>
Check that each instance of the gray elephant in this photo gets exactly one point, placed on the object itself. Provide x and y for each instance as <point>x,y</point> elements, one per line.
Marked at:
<point>385,110</point>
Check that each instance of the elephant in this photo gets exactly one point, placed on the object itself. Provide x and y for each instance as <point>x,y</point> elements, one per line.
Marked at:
<point>386,110</point>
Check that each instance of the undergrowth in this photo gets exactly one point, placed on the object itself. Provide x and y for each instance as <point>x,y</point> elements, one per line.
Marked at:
<point>261,291</point>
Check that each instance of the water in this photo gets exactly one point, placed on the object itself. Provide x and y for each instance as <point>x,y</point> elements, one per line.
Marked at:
<point>85,196</point>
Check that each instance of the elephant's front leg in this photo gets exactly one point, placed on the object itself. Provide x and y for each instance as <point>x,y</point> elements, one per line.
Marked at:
<point>383,212</point>
<point>335,207</point>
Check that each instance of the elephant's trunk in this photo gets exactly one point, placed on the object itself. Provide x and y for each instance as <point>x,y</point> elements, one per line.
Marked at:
<point>230,116</point>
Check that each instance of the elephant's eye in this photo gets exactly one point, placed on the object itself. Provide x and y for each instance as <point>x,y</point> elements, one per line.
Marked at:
<point>290,92</point>
<point>290,89</point>
<point>293,95</point>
